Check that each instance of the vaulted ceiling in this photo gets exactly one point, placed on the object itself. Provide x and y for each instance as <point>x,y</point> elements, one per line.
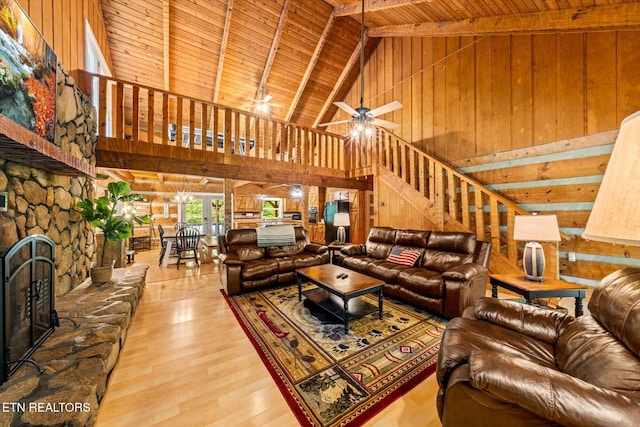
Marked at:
<point>305,53</point>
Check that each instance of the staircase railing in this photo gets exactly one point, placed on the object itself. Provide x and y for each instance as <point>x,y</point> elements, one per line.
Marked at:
<point>453,194</point>
<point>144,114</point>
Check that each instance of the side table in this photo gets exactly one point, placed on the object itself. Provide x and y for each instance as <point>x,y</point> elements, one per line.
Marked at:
<point>550,288</point>
<point>333,247</point>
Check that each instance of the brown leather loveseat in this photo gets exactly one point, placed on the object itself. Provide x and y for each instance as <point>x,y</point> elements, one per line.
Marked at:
<point>509,364</point>
<point>448,275</point>
<point>247,267</point>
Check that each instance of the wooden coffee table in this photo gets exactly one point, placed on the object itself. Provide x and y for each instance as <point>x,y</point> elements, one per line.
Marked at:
<point>550,288</point>
<point>338,296</point>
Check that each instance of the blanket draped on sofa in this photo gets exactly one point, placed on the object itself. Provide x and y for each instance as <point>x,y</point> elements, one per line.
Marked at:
<point>276,235</point>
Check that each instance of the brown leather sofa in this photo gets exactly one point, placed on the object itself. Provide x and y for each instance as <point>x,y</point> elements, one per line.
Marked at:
<point>509,364</point>
<point>246,267</point>
<point>449,275</point>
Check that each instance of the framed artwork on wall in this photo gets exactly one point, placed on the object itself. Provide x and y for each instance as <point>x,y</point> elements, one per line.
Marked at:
<point>27,73</point>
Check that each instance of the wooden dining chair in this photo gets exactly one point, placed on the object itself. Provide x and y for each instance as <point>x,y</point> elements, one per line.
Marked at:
<point>187,244</point>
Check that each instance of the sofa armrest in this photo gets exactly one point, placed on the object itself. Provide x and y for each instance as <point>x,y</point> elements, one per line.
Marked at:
<point>543,325</point>
<point>230,259</point>
<point>353,250</point>
<point>552,394</point>
<point>464,272</point>
<point>316,248</point>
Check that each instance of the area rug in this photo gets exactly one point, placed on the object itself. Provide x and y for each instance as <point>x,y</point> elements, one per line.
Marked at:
<point>330,378</point>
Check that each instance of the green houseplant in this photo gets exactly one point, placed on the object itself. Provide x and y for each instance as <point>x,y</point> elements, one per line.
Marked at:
<point>102,213</point>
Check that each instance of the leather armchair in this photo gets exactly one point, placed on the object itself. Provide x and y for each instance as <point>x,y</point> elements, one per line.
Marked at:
<point>509,364</point>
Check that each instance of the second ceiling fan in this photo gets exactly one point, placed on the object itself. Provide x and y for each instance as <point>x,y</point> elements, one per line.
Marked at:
<point>363,117</point>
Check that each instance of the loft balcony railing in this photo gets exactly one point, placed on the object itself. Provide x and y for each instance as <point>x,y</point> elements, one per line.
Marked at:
<point>142,114</point>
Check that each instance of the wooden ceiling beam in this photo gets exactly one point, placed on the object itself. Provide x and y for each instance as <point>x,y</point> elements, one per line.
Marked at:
<point>355,8</point>
<point>274,50</point>
<point>355,55</point>
<point>594,18</point>
<point>310,66</point>
<point>149,187</point>
<point>223,50</point>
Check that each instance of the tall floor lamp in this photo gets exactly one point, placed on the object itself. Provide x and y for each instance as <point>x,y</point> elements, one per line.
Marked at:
<point>534,229</point>
<point>615,217</point>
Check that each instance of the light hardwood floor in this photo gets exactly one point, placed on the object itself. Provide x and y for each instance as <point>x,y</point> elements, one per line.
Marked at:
<point>187,362</point>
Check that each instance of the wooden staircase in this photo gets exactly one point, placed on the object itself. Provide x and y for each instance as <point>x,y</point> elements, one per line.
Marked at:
<point>145,128</point>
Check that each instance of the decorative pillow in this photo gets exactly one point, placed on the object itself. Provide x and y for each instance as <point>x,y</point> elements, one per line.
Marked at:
<point>403,256</point>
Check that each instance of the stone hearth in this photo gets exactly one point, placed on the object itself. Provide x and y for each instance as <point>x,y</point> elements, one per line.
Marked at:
<point>76,360</point>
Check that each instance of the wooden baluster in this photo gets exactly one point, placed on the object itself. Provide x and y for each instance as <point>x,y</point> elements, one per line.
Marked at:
<point>396,161</point>
<point>464,193</point>
<point>135,114</point>
<point>192,124</point>
<point>119,111</point>
<point>151,116</point>
<point>453,196</point>
<point>165,118</point>
<point>204,123</point>
<point>439,195</point>
<point>413,173</point>
<point>479,202</point>
<point>216,131</point>
<point>512,245</point>
<point>422,179</point>
<point>102,106</point>
<point>179,142</point>
<point>495,223</point>
<point>258,143</point>
<point>227,131</point>
<point>236,134</point>
<point>247,136</point>
<point>432,181</point>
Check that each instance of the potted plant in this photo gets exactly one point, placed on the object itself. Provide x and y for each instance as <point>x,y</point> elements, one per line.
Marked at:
<point>102,213</point>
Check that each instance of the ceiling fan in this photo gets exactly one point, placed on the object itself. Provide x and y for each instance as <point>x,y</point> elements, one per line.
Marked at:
<point>262,104</point>
<point>363,117</point>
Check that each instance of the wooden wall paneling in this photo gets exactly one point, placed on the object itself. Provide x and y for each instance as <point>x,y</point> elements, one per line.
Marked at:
<point>570,193</point>
<point>570,86</point>
<point>628,74</point>
<point>467,89</point>
<point>406,89</point>
<point>521,92</point>
<point>397,73</point>
<point>389,59</point>
<point>426,143</point>
<point>601,81</point>
<point>500,93</point>
<point>483,96</point>
<point>416,91</point>
<point>452,99</point>
<point>544,88</point>
<point>439,148</point>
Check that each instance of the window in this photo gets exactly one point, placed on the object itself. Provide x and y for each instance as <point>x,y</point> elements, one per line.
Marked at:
<point>271,208</point>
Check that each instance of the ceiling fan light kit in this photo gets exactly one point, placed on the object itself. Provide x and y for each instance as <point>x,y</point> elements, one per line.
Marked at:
<point>363,119</point>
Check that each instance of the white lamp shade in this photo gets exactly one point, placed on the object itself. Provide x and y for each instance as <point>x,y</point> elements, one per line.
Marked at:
<point>536,228</point>
<point>341,219</point>
<point>614,217</point>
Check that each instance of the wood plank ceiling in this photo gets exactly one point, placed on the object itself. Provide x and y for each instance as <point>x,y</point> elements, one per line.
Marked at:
<point>305,53</point>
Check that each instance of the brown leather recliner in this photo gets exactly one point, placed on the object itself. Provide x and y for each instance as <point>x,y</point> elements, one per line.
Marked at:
<point>509,364</point>
<point>247,267</point>
<point>449,275</point>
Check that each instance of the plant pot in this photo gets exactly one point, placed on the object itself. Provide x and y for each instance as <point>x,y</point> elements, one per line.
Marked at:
<point>101,274</point>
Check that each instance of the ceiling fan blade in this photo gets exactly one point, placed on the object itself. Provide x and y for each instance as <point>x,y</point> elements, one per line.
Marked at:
<point>386,124</point>
<point>384,109</point>
<point>345,107</point>
<point>335,123</point>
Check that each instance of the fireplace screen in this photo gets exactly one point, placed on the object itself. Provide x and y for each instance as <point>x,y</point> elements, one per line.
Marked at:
<point>27,300</point>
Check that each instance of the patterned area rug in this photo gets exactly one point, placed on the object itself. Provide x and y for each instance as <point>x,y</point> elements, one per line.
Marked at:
<point>333,379</point>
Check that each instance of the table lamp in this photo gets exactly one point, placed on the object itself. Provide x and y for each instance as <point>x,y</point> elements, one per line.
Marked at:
<point>534,229</point>
<point>614,217</point>
<point>341,219</point>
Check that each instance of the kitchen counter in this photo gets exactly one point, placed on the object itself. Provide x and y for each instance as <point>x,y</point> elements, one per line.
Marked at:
<point>259,222</point>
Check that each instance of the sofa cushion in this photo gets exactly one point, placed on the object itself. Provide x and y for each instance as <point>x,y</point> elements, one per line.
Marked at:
<point>380,242</point>
<point>422,281</point>
<point>285,264</point>
<point>259,269</point>
<point>385,270</point>
<point>413,238</point>
<point>307,260</point>
<point>248,252</point>
<point>403,256</point>
<point>358,263</point>
<point>284,251</point>
<point>447,249</point>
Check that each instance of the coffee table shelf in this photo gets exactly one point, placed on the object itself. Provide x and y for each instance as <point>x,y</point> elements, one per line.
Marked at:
<point>333,305</point>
